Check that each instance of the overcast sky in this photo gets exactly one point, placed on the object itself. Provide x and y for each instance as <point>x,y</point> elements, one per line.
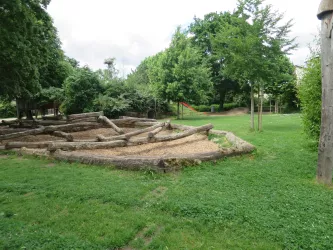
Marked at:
<point>130,30</point>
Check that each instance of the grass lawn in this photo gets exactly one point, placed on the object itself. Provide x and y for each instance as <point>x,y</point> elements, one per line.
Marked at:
<point>267,200</point>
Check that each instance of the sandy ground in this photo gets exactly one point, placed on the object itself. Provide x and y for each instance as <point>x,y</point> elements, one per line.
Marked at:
<point>197,143</point>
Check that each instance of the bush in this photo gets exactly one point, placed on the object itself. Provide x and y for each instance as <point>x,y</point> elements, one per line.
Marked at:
<point>7,109</point>
<point>309,92</point>
<point>81,89</point>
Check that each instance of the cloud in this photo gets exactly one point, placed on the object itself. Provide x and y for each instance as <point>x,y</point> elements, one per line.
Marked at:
<point>130,30</point>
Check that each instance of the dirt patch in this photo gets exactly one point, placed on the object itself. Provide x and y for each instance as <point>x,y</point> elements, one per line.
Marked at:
<point>236,111</point>
<point>193,144</point>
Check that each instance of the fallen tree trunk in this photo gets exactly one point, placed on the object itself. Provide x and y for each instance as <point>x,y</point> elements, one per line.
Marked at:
<point>11,131</point>
<point>144,124</point>
<point>5,123</point>
<point>61,134</point>
<point>138,119</point>
<point>88,119</point>
<point>106,121</point>
<point>43,122</point>
<point>70,146</point>
<point>23,133</point>
<point>11,145</point>
<point>170,137</point>
<point>154,132</point>
<point>129,135</point>
<point>85,115</point>
<point>73,127</point>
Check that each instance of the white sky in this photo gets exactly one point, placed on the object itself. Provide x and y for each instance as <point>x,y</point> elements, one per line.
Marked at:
<point>130,30</point>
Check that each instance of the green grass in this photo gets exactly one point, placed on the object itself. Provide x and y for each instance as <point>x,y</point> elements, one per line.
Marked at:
<point>266,200</point>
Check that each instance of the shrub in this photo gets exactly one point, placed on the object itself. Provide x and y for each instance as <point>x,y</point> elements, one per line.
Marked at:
<point>207,108</point>
<point>309,92</point>
<point>7,109</point>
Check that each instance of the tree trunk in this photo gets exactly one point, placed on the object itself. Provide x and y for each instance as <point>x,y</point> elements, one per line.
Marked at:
<point>182,112</point>
<point>129,135</point>
<point>276,105</point>
<point>12,145</point>
<point>72,127</point>
<point>106,121</point>
<point>70,146</point>
<point>154,132</point>
<point>37,131</point>
<point>260,109</point>
<point>85,115</point>
<point>67,136</point>
<point>145,140</point>
<point>325,150</point>
<point>252,107</point>
<point>223,93</point>
<point>178,111</point>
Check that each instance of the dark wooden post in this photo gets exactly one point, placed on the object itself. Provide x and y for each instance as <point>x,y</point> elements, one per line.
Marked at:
<point>325,150</point>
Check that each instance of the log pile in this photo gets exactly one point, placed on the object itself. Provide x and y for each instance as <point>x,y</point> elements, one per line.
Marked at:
<point>64,148</point>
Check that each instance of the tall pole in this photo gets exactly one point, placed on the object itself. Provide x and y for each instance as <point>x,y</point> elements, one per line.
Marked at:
<point>325,150</point>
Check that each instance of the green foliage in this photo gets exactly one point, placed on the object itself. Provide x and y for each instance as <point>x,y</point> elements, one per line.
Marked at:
<point>260,201</point>
<point>309,92</point>
<point>50,95</point>
<point>81,89</point>
<point>207,108</point>
<point>7,109</point>
<point>29,48</point>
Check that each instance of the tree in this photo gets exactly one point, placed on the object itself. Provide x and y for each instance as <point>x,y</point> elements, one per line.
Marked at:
<point>185,76</point>
<point>81,89</point>
<point>204,31</point>
<point>251,44</point>
<point>28,46</point>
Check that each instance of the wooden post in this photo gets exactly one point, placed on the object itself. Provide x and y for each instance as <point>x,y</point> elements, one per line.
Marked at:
<point>182,112</point>
<point>325,150</point>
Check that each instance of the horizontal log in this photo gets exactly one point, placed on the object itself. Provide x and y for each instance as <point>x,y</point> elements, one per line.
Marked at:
<point>73,127</point>
<point>138,119</point>
<point>144,124</point>
<point>88,119</point>
<point>85,115</point>
<point>7,131</point>
<point>70,146</point>
<point>170,137</point>
<point>61,134</point>
<point>11,145</point>
<point>6,122</point>
<point>36,131</point>
<point>110,124</point>
<point>129,135</point>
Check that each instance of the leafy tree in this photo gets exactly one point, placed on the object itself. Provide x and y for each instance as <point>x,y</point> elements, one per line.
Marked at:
<point>204,31</point>
<point>185,75</point>
<point>29,48</point>
<point>251,44</point>
<point>81,89</point>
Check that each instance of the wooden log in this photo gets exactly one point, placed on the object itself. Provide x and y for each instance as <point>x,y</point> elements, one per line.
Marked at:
<point>168,125</point>
<point>129,135</point>
<point>109,123</point>
<point>11,131</point>
<point>145,124</point>
<point>70,146</point>
<point>85,115</point>
<point>121,162</point>
<point>154,132</point>
<point>88,119</point>
<point>5,123</point>
<point>138,119</point>
<point>170,137</point>
<point>43,122</point>
<point>72,127</point>
<point>61,134</point>
<point>11,145</point>
<point>36,131</point>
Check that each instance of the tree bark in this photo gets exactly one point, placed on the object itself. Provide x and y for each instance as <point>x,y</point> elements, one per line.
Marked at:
<point>12,145</point>
<point>85,115</point>
<point>252,107</point>
<point>178,111</point>
<point>223,93</point>
<point>154,132</point>
<point>171,137</point>
<point>138,119</point>
<point>37,131</point>
<point>260,109</point>
<point>61,134</point>
<point>325,150</point>
<point>129,135</point>
<point>73,127</point>
<point>106,121</point>
<point>70,146</point>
